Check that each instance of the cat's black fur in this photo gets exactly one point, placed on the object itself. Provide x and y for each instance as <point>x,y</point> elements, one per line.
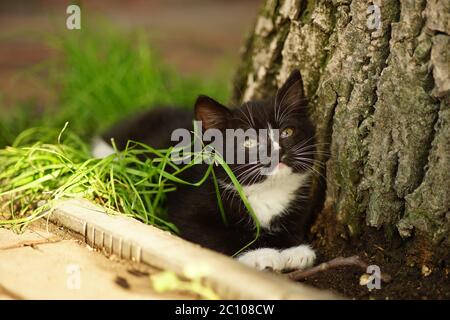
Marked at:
<point>194,210</point>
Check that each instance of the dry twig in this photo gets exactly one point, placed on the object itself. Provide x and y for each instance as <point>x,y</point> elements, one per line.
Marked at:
<point>29,243</point>
<point>333,264</point>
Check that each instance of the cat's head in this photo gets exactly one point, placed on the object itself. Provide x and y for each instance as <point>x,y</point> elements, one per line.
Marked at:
<point>278,127</point>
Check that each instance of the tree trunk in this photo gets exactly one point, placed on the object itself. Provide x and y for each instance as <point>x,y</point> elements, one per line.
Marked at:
<point>380,100</point>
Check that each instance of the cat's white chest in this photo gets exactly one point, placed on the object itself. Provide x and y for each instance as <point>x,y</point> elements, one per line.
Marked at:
<point>272,197</point>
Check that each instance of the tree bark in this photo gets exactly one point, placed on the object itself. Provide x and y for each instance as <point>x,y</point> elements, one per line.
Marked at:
<point>380,99</point>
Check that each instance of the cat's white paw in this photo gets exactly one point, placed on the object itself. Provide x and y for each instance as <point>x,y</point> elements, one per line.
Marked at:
<point>300,257</point>
<point>264,258</point>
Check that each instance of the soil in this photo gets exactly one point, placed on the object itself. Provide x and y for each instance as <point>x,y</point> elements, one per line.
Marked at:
<point>410,279</point>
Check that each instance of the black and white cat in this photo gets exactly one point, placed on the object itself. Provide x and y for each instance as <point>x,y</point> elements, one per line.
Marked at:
<point>279,199</point>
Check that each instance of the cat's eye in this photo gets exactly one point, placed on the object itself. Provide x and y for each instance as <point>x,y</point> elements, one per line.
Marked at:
<point>287,132</point>
<point>250,143</point>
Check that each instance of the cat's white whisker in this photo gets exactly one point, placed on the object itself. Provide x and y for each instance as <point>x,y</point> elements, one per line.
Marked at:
<point>250,112</point>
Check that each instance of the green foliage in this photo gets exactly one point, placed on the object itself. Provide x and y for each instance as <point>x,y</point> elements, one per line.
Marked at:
<point>101,77</point>
<point>36,174</point>
<point>108,76</point>
<point>44,167</point>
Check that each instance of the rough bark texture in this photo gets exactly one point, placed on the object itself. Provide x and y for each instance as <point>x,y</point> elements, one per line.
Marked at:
<point>380,99</point>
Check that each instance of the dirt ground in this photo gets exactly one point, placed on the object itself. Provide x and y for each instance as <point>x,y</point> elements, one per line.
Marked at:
<point>410,280</point>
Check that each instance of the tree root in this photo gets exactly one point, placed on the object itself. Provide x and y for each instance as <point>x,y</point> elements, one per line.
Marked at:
<point>333,264</point>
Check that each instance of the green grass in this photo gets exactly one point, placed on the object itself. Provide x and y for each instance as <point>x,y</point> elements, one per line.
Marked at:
<point>100,78</point>
<point>13,122</point>
<point>103,76</point>
<point>105,80</point>
<point>35,175</point>
<point>34,171</point>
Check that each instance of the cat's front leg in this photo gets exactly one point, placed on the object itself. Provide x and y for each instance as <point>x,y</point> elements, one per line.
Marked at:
<point>263,258</point>
<point>299,257</point>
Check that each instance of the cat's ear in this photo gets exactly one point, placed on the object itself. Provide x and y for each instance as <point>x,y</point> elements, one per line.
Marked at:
<point>291,93</point>
<point>211,113</point>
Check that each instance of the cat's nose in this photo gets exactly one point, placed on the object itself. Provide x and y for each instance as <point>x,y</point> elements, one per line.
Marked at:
<point>281,165</point>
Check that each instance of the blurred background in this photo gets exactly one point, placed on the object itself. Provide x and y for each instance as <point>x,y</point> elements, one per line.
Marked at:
<point>128,55</point>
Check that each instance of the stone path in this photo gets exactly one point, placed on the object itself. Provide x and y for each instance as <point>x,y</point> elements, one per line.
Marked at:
<point>50,262</point>
<point>67,269</point>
